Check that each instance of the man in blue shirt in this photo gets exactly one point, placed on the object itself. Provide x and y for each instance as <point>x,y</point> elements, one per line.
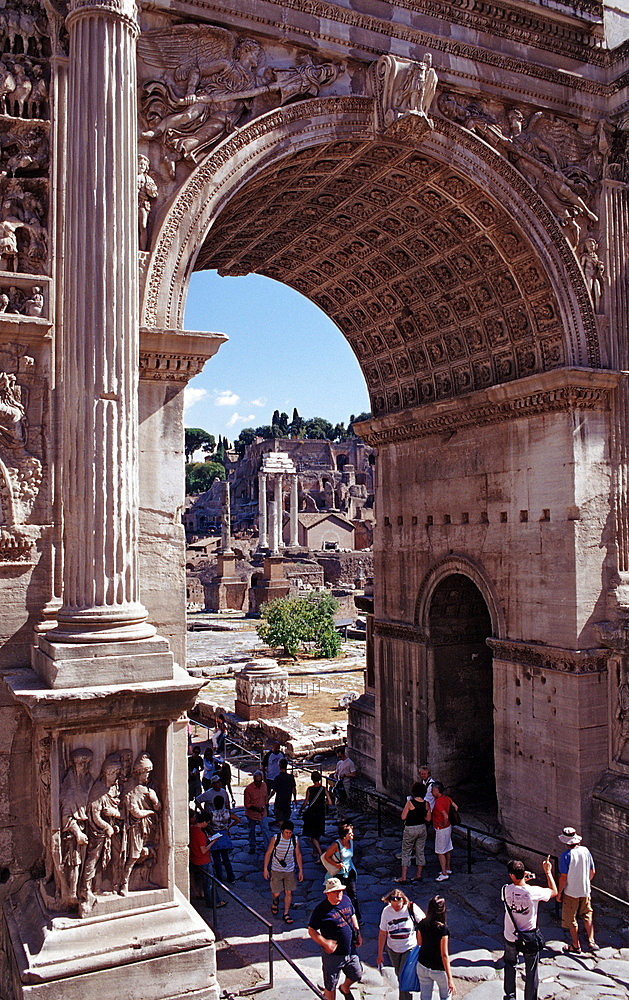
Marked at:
<point>334,927</point>
<point>576,871</point>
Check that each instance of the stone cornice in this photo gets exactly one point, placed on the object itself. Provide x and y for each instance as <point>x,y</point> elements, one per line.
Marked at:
<point>570,661</point>
<point>503,24</point>
<point>176,355</point>
<point>564,389</point>
<point>399,631</point>
<point>530,654</point>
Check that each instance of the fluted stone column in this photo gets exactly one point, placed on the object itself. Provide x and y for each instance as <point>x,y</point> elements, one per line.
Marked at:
<point>226,534</point>
<point>262,512</point>
<point>101,331</point>
<point>294,499</point>
<point>277,516</point>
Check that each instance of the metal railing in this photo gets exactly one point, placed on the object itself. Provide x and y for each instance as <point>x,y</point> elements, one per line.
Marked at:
<point>272,945</point>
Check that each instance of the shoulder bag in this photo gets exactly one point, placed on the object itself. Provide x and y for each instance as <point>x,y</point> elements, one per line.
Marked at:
<point>526,942</point>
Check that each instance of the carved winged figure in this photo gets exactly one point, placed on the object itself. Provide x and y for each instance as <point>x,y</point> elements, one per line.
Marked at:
<point>210,80</point>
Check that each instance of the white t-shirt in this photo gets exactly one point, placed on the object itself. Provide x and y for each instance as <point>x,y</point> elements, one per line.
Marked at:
<point>344,768</point>
<point>577,863</point>
<point>399,927</point>
<point>273,764</point>
<point>430,798</point>
<point>523,900</point>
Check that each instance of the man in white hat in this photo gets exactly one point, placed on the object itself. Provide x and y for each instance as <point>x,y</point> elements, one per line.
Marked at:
<point>576,871</point>
<point>334,927</point>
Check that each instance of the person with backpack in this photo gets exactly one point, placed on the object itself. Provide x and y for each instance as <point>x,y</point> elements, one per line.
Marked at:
<point>415,816</point>
<point>521,901</point>
<point>283,856</point>
<point>313,811</point>
<point>334,927</point>
<point>443,814</point>
<point>398,926</point>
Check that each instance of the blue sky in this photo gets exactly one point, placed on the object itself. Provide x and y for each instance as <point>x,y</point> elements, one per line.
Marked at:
<point>282,352</point>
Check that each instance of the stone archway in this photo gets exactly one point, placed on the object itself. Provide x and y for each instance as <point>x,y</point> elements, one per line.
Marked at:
<point>461,725</point>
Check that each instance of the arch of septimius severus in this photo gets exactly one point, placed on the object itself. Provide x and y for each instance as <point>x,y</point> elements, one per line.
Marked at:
<point>449,183</point>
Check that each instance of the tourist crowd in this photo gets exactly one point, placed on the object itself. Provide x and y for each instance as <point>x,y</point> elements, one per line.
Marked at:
<point>416,942</point>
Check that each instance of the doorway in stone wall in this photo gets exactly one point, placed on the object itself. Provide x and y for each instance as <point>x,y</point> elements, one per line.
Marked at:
<point>461,735</point>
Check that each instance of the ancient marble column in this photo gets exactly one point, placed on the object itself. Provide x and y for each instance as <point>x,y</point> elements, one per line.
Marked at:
<point>101,331</point>
<point>225,518</point>
<point>262,512</point>
<point>277,518</point>
<point>294,499</point>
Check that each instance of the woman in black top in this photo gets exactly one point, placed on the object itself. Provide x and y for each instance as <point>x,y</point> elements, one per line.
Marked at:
<point>433,964</point>
<point>415,816</point>
<point>313,811</point>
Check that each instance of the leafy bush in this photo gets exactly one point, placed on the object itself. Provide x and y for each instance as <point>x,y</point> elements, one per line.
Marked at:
<point>201,475</point>
<point>306,622</point>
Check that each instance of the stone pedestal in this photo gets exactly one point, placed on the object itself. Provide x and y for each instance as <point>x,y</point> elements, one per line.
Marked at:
<point>273,584</point>
<point>226,591</point>
<point>262,690</point>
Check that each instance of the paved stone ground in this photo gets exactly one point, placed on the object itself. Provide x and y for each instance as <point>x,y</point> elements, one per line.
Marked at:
<point>474,918</point>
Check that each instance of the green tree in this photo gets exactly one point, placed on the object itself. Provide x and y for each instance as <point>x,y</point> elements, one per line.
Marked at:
<point>340,433</point>
<point>294,622</point>
<point>354,420</point>
<point>265,431</point>
<point>201,475</point>
<point>195,438</point>
<point>296,425</point>
<point>246,437</point>
<point>319,429</point>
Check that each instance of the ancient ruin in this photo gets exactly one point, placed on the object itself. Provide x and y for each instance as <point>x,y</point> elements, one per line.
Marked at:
<point>449,183</point>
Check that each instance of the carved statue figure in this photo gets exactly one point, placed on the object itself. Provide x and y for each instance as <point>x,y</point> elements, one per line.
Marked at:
<point>32,153</point>
<point>7,86</point>
<point>4,302</point>
<point>23,25</point>
<point>103,821</point>
<point>547,151</point>
<point>403,87</point>
<point>73,797</point>
<point>211,81</point>
<point>147,191</point>
<point>23,87</point>
<point>141,806</point>
<point>35,305</point>
<point>593,270</point>
<point>8,241</point>
<point>12,413</point>
<point>39,93</point>
<point>622,718</point>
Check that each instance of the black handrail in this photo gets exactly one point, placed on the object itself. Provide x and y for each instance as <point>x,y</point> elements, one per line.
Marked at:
<point>272,945</point>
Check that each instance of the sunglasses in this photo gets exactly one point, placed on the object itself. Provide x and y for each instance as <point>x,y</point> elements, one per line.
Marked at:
<point>396,899</point>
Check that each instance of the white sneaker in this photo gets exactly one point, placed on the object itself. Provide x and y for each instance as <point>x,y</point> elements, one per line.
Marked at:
<point>442,878</point>
<point>448,871</point>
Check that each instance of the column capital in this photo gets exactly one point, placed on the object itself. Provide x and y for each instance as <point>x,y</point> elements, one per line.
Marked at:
<point>122,10</point>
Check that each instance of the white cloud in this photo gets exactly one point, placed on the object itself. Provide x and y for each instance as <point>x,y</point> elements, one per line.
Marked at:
<point>192,395</point>
<point>237,419</point>
<point>259,402</point>
<point>226,398</point>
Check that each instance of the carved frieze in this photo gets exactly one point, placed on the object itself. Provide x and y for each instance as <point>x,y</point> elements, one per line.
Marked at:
<point>165,367</point>
<point>106,827</point>
<point>209,81</point>
<point>571,661</point>
<point>398,631</point>
<point>20,473</point>
<point>403,91</point>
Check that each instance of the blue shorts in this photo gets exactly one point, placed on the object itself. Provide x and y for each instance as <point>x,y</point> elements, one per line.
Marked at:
<point>335,964</point>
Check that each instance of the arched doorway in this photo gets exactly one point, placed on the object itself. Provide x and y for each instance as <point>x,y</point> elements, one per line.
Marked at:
<point>461,730</point>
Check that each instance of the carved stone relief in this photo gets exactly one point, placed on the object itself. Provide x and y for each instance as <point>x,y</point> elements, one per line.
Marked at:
<point>562,161</point>
<point>106,831</point>
<point>20,472</point>
<point>404,91</point>
<point>209,82</point>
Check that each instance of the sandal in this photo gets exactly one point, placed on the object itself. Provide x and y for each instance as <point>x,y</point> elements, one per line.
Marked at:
<point>288,919</point>
<point>347,993</point>
<point>399,881</point>
<point>569,950</point>
<point>221,902</point>
<point>275,907</point>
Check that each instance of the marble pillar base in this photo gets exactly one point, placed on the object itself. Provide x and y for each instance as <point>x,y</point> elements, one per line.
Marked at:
<point>273,585</point>
<point>155,953</point>
<point>262,690</point>
<point>71,665</point>
<point>226,591</point>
